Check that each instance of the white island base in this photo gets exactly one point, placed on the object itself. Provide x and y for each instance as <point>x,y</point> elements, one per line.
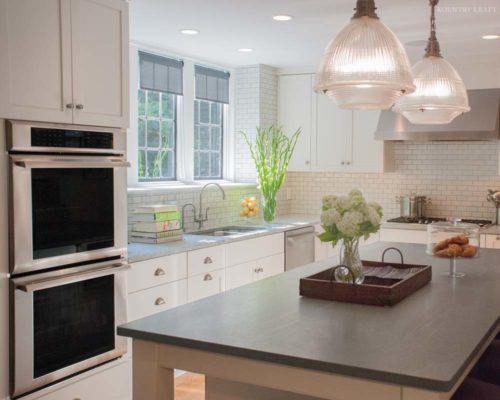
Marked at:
<point>238,378</point>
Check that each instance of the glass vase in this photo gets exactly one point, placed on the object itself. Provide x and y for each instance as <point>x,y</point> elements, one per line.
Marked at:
<point>349,256</point>
<point>268,208</point>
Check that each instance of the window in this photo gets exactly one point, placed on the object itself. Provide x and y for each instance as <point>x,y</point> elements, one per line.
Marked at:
<point>208,128</point>
<point>157,135</point>
<point>212,97</point>
<point>160,85</point>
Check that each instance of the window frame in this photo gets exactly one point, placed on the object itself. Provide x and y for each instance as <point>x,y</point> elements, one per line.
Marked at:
<point>185,124</point>
<point>176,134</point>
<point>224,108</point>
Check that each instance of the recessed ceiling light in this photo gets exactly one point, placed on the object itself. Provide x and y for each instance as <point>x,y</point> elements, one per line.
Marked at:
<point>491,37</point>
<point>282,17</point>
<point>245,50</point>
<point>189,31</point>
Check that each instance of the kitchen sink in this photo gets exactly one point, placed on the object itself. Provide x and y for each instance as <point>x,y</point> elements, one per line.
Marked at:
<point>229,231</point>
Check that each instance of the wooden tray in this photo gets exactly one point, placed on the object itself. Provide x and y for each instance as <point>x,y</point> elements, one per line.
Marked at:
<point>385,283</point>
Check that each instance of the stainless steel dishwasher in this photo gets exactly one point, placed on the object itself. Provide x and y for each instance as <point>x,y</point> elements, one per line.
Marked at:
<point>299,247</point>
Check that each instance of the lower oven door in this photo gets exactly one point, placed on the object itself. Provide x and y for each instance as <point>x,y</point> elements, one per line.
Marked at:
<point>65,322</point>
<point>66,209</point>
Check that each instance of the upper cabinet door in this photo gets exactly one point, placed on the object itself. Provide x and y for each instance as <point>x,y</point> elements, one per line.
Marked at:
<point>35,60</point>
<point>334,127</point>
<point>367,153</point>
<point>100,62</point>
<point>295,111</point>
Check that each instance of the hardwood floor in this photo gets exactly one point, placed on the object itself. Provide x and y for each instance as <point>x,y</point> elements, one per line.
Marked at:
<point>190,387</point>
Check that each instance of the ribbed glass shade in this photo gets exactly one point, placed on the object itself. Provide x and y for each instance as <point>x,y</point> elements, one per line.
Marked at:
<point>440,97</point>
<point>365,67</point>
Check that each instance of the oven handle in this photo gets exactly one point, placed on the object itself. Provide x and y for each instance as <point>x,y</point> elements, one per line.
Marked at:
<point>68,163</point>
<point>47,283</point>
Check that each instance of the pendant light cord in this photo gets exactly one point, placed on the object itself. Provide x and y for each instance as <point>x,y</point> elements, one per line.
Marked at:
<point>433,49</point>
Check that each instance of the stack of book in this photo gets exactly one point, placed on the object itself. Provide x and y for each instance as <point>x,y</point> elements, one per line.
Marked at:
<point>156,224</point>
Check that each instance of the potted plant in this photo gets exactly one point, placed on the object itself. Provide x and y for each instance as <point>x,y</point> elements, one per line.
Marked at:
<point>271,152</point>
<point>347,219</point>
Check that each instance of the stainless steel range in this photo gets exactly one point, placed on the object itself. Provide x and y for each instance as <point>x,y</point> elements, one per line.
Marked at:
<point>68,244</point>
<point>429,220</point>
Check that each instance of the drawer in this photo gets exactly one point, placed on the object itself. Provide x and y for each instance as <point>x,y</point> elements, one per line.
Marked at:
<point>492,241</point>
<point>251,249</point>
<point>403,235</point>
<point>159,298</point>
<point>206,260</point>
<point>111,384</point>
<point>157,271</point>
<point>240,275</point>
<point>269,266</point>
<point>206,284</point>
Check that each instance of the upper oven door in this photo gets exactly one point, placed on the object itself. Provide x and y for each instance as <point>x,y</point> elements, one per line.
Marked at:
<point>66,209</point>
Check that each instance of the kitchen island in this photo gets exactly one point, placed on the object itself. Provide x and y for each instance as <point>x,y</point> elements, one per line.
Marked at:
<point>263,341</point>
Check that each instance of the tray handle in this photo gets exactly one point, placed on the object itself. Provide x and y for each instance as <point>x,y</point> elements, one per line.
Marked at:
<point>332,273</point>
<point>395,249</point>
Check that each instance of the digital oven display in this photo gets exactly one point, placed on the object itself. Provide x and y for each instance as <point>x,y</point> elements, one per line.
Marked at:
<point>45,137</point>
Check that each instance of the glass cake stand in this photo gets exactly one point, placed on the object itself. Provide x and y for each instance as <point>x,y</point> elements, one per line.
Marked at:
<point>453,240</point>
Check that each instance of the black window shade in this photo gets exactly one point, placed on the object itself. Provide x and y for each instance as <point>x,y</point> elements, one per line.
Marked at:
<point>212,84</point>
<point>160,74</point>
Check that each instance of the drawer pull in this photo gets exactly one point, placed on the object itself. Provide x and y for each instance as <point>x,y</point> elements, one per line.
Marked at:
<point>159,301</point>
<point>207,277</point>
<point>258,270</point>
<point>159,272</point>
<point>208,260</point>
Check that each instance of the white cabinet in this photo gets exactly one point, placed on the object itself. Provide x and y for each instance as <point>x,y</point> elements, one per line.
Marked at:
<point>490,241</point>
<point>35,61</point>
<point>111,384</point>
<point>333,140</point>
<point>206,284</point>
<point>252,249</point>
<point>156,299</point>
<point>403,235</point>
<point>255,270</point>
<point>64,61</point>
<point>294,112</point>
<point>206,260</point>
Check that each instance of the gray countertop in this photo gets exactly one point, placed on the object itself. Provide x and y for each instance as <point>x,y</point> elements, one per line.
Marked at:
<point>425,341</point>
<point>140,251</point>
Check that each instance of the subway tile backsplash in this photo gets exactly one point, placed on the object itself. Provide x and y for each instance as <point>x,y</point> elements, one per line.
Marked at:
<point>455,175</point>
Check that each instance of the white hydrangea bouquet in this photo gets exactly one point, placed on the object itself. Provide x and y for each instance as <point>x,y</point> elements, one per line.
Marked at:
<point>347,219</point>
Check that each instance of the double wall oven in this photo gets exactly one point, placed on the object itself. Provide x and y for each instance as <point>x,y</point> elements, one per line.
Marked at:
<point>68,244</point>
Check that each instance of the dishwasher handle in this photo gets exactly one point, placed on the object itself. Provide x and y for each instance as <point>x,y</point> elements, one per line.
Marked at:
<point>300,232</point>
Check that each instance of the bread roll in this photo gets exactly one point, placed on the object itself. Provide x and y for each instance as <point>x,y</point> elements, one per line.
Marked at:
<point>443,244</point>
<point>461,240</point>
<point>468,251</point>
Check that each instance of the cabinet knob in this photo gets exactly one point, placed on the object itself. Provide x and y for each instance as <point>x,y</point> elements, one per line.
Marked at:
<point>159,272</point>
<point>342,163</point>
<point>79,106</point>
<point>498,237</point>
<point>348,163</point>
<point>258,270</point>
<point>207,260</point>
<point>159,301</point>
<point>70,106</point>
<point>308,162</point>
<point>207,277</point>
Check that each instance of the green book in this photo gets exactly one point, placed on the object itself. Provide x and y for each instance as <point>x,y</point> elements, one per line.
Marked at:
<point>156,217</point>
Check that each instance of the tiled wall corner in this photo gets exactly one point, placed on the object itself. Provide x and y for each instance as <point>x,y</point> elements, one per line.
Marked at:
<point>256,105</point>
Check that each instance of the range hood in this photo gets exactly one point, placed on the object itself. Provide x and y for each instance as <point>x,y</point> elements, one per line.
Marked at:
<point>481,123</point>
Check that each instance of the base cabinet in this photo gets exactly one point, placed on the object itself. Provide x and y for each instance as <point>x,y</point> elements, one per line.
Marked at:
<point>207,284</point>
<point>114,383</point>
<point>253,271</point>
<point>403,235</point>
<point>490,241</point>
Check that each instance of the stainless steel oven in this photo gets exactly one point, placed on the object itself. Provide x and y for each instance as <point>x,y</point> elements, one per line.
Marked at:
<point>64,322</point>
<point>68,195</point>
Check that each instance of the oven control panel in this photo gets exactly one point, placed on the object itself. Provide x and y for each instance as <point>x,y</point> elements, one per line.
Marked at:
<point>46,137</point>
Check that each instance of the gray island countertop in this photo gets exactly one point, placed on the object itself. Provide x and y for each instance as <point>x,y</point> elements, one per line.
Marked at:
<point>426,341</point>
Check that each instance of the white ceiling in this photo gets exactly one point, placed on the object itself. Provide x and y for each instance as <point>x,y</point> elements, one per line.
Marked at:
<point>226,25</point>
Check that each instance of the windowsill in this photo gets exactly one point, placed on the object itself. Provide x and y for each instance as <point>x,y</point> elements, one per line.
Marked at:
<point>178,186</point>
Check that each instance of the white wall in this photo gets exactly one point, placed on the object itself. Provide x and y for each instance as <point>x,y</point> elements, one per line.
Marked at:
<point>4,268</point>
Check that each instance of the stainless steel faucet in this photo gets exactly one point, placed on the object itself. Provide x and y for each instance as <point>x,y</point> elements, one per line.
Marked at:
<point>200,218</point>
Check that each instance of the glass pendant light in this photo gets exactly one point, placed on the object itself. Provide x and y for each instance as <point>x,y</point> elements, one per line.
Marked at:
<point>441,95</point>
<point>365,66</point>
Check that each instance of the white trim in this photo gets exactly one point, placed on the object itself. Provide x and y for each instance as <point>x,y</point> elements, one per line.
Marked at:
<point>185,123</point>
